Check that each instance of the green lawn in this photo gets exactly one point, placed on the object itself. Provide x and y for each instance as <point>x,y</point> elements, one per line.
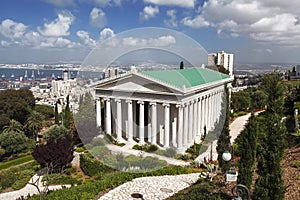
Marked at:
<point>18,161</point>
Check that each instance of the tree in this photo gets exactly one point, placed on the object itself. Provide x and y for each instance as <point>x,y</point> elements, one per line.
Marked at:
<point>56,119</point>
<point>35,123</point>
<point>247,147</point>
<point>269,184</point>
<point>223,143</point>
<point>56,133</point>
<point>13,142</point>
<point>13,126</point>
<point>181,65</point>
<point>45,110</point>
<point>67,114</point>
<point>55,153</point>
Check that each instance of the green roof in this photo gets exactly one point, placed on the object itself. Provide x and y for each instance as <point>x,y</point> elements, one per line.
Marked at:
<point>187,78</point>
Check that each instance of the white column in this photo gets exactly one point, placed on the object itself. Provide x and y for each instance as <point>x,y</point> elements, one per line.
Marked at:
<point>130,120</point>
<point>167,125</point>
<point>191,119</point>
<point>154,122</point>
<point>119,120</point>
<point>202,122</point>
<point>98,112</point>
<point>108,117</point>
<point>195,119</point>
<point>186,125</point>
<point>142,126</point>
<point>206,114</point>
<point>174,132</point>
<point>180,129</point>
<point>199,117</point>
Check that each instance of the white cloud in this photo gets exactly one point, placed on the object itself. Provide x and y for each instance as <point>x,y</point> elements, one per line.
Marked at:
<point>106,33</point>
<point>85,37</point>
<point>58,42</point>
<point>11,29</point>
<point>172,21</point>
<point>197,22</point>
<point>4,43</point>
<point>108,2</point>
<point>180,3</point>
<point>60,26</point>
<point>61,3</point>
<point>149,12</point>
<point>267,21</point>
<point>154,42</point>
<point>97,17</point>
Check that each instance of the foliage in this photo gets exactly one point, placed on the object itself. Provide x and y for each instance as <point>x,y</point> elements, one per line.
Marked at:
<point>170,152</point>
<point>56,117</point>
<point>58,179</point>
<point>223,143</point>
<point>54,153</point>
<point>137,147</point>
<point>56,132</point>
<point>201,190</point>
<point>22,178</point>
<point>181,65</point>
<point>35,122</point>
<point>92,167</point>
<point>15,104</point>
<point>151,148</point>
<point>9,176</point>
<point>18,161</point>
<point>80,149</point>
<point>14,142</point>
<point>45,110</point>
<point>269,184</point>
<point>296,164</point>
<point>247,145</point>
<point>68,117</point>
<point>13,126</point>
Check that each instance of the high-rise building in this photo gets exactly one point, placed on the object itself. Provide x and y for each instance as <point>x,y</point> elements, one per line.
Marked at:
<point>221,59</point>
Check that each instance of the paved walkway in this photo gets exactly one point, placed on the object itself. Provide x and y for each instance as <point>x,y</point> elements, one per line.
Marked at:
<point>28,189</point>
<point>235,129</point>
<point>152,188</point>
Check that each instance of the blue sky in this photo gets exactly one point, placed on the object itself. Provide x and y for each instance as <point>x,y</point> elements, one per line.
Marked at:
<point>50,31</point>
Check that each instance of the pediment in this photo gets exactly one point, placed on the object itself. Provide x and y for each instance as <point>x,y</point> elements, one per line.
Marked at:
<point>135,83</point>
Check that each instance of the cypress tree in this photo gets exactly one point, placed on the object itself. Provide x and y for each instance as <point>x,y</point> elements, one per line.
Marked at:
<point>247,149</point>
<point>181,65</point>
<point>270,185</point>
<point>223,143</point>
<point>67,114</point>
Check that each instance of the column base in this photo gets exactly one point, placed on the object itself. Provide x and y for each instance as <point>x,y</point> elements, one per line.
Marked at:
<point>181,150</point>
<point>121,140</point>
<point>197,139</point>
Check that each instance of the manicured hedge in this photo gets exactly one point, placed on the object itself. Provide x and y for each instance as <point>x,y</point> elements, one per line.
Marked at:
<point>18,161</point>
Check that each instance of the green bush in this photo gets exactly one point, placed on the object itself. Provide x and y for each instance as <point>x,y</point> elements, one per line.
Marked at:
<point>170,152</point>
<point>137,147</point>
<point>151,148</point>
<point>92,167</point>
<point>70,170</point>
<point>80,149</point>
<point>22,179</point>
<point>9,176</point>
<point>58,179</point>
<point>121,144</point>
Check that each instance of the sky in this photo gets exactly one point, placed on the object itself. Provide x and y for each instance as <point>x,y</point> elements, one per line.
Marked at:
<point>52,31</point>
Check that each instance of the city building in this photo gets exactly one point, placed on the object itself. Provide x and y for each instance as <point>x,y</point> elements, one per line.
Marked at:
<point>221,59</point>
<point>63,86</point>
<point>170,108</point>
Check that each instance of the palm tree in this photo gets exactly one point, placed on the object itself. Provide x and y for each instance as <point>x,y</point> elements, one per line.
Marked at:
<point>13,126</point>
<point>35,122</point>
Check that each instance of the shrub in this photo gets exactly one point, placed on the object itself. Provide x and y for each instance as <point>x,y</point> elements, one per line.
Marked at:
<point>170,152</point>
<point>92,167</point>
<point>22,179</point>
<point>15,162</point>
<point>80,149</point>
<point>137,147</point>
<point>121,144</point>
<point>151,148</point>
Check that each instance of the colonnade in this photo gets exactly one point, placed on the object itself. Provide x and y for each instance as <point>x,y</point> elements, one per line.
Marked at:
<point>180,128</point>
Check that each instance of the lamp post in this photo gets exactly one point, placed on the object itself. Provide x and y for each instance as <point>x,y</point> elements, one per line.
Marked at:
<point>239,190</point>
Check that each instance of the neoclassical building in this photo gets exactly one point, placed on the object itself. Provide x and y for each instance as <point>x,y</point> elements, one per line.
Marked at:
<point>171,108</point>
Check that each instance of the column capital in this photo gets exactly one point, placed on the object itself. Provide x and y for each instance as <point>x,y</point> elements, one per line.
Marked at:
<point>166,105</point>
<point>152,103</point>
<point>140,102</point>
<point>179,105</point>
<point>118,100</point>
<point>186,104</point>
<point>107,99</point>
<point>128,101</point>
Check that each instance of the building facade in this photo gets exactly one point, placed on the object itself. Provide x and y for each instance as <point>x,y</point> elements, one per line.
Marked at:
<point>170,108</point>
<point>223,59</point>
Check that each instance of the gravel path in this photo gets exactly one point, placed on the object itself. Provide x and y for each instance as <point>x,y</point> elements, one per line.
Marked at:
<point>152,188</point>
<point>28,189</point>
